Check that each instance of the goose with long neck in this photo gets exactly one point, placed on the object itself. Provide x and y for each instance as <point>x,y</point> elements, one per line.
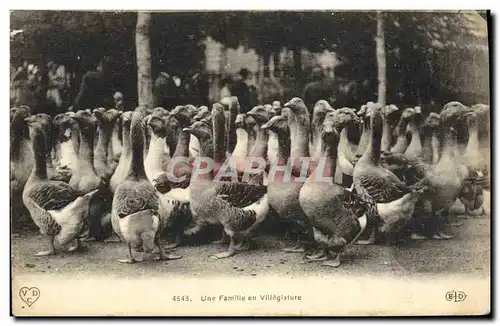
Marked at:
<point>239,207</point>
<point>321,108</point>
<point>365,130</point>
<point>106,120</point>
<point>401,129</point>
<point>173,184</point>
<point>395,200</point>
<point>429,130</point>
<point>337,215</point>
<point>346,151</point>
<point>69,138</point>
<point>136,217</point>
<point>471,194</point>
<point>389,111</point>
<point>252,129</point>
<point>87,179</point>
<point>57,209</point>
<point>126,157</point>
<point>21,162</point>
<point>473,156</point>
<point>234,110</point>
<point>194,144</point>
<point>414,150</point>
<point>156,157</point>
<point>115,148</point>
<point>46,121</point>
<point>261,116</point>
<point>282,190</point>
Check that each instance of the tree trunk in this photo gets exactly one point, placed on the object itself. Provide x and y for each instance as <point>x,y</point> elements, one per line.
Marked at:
<point>381,58</point>
<point>143,53</point>
<point>277,62</point>
<point>266,56</point>
<point>297,65</point>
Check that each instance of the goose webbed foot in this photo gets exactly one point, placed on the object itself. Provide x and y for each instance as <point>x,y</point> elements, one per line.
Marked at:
<point>45,253</point>
<point>295,249</point>
<point>173,245</point>
<point>224,239</point>
<point>75,247</point>
<point>370,240</point>
<point>51,251</point>
<point>319,256</point>
<point>88,239</point>
<point>230,252</point>
<point>335,262</point>
<point>442,236</point>
<point>112,239</point>
<point>131,259</point>
<point>176,243</point>
<point>163,255</point>
<point>416,236</point>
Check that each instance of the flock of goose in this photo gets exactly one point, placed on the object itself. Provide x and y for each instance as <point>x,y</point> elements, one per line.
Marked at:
<point>135,176</point>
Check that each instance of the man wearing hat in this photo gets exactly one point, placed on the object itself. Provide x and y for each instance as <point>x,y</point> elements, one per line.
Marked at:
<point>241,90</point>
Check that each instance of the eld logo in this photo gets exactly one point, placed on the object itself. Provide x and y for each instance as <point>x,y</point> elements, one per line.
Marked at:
<point>455,296</point>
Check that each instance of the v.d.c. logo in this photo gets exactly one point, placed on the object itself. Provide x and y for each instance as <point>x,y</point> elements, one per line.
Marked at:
<point>29,295</point>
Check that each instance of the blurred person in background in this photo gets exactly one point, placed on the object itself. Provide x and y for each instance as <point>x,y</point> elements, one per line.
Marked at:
<point>271,90</point>
<point>56,75</point>
<point>97,87</point>
<point>241,90</point>
<point>225,91</point>
<point>167,91</point>
<point>320,88</point>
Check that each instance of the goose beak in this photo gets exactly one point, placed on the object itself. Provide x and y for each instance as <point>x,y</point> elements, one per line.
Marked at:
<point>188,129</point>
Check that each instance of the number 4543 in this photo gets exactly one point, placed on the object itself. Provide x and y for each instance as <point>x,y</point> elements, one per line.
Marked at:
<point>181,298</point>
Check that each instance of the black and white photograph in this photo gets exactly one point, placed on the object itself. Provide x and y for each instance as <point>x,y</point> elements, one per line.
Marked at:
<point>250,163</point>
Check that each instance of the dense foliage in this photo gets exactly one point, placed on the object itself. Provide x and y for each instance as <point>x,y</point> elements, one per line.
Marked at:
<point>422,48</point>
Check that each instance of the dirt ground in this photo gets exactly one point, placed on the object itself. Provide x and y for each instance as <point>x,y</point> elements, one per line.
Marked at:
<point>467,254</point>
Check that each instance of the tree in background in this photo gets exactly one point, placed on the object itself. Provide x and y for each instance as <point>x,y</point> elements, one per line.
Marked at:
<point>143,50</point>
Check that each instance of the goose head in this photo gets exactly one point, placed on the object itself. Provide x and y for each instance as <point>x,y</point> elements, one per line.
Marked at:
<point>276,107</point>
<point>320,110</point>
<point>344,117</point>
<point>18,116</point>
<point>85,120</point>
<point>202,113</point>
<point>106,117</point>
<point>260,114</point>
<point>234,104</point>
<point>297,106</point>
<point>143,110</point>
<point>279,125</point>
<point>330,127</point>
<point>415,120</point>
<point>37,133</point>
<point>157,125</point>
<point>376,119</point>
<point>192,109</point>
<point>159,111</point>
<point>240,121</point>
<point>391,114</point>
<point>65,125</point>
<point>200,129</point>
<point>453,113</point>
<point>183,114</point>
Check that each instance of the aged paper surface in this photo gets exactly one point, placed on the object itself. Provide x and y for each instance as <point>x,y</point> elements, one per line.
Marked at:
<point>435,276</point>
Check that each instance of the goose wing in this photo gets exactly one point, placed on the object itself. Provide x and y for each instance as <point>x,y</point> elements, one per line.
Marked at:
<point>53,195</point>
<point>384,186</point>
<point>133,197</point>
<point>240,194</point>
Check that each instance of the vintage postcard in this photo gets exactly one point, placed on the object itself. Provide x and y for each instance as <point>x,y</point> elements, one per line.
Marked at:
<point>250,163</point>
